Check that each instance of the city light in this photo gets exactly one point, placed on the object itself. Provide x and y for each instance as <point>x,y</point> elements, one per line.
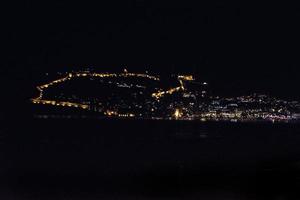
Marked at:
<point>179,102</point>
<point>177,114</point>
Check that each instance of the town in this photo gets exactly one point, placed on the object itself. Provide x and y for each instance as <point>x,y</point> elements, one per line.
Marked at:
<point>145,96</point>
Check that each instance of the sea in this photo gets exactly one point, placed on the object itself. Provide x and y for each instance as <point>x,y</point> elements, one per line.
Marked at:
<point>100,158</point>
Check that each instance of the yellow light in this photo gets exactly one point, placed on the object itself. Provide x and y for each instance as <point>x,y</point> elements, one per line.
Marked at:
<point>177,113</point>
<point>186,77</point>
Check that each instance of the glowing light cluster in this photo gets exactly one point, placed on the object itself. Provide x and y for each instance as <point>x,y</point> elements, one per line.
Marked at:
<point>55,82</point>
<point>177,114</point>
<point>126,115</point>
<point>111,113</point>
<point>160,94</point>
<point>116,114</point>
<point>186,77</point>
<point>60,103</point>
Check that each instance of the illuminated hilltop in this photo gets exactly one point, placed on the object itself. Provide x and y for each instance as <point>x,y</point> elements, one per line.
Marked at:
<point>140,89</point>
<point>141,95</point>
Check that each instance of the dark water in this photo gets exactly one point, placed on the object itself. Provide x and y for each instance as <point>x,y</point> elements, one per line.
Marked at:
<point>127,159</point>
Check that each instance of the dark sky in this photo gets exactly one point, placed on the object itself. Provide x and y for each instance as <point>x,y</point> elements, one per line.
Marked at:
<point>236,46</point>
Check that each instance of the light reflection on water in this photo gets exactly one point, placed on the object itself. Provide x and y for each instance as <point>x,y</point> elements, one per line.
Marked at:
<point>201,154</point>
<point>60,116</point>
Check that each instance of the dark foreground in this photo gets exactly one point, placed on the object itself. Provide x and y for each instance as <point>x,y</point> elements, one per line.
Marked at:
<point>123,159</point>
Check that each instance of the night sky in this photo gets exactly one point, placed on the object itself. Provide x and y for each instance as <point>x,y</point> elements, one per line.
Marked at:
<point>234,46</point>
